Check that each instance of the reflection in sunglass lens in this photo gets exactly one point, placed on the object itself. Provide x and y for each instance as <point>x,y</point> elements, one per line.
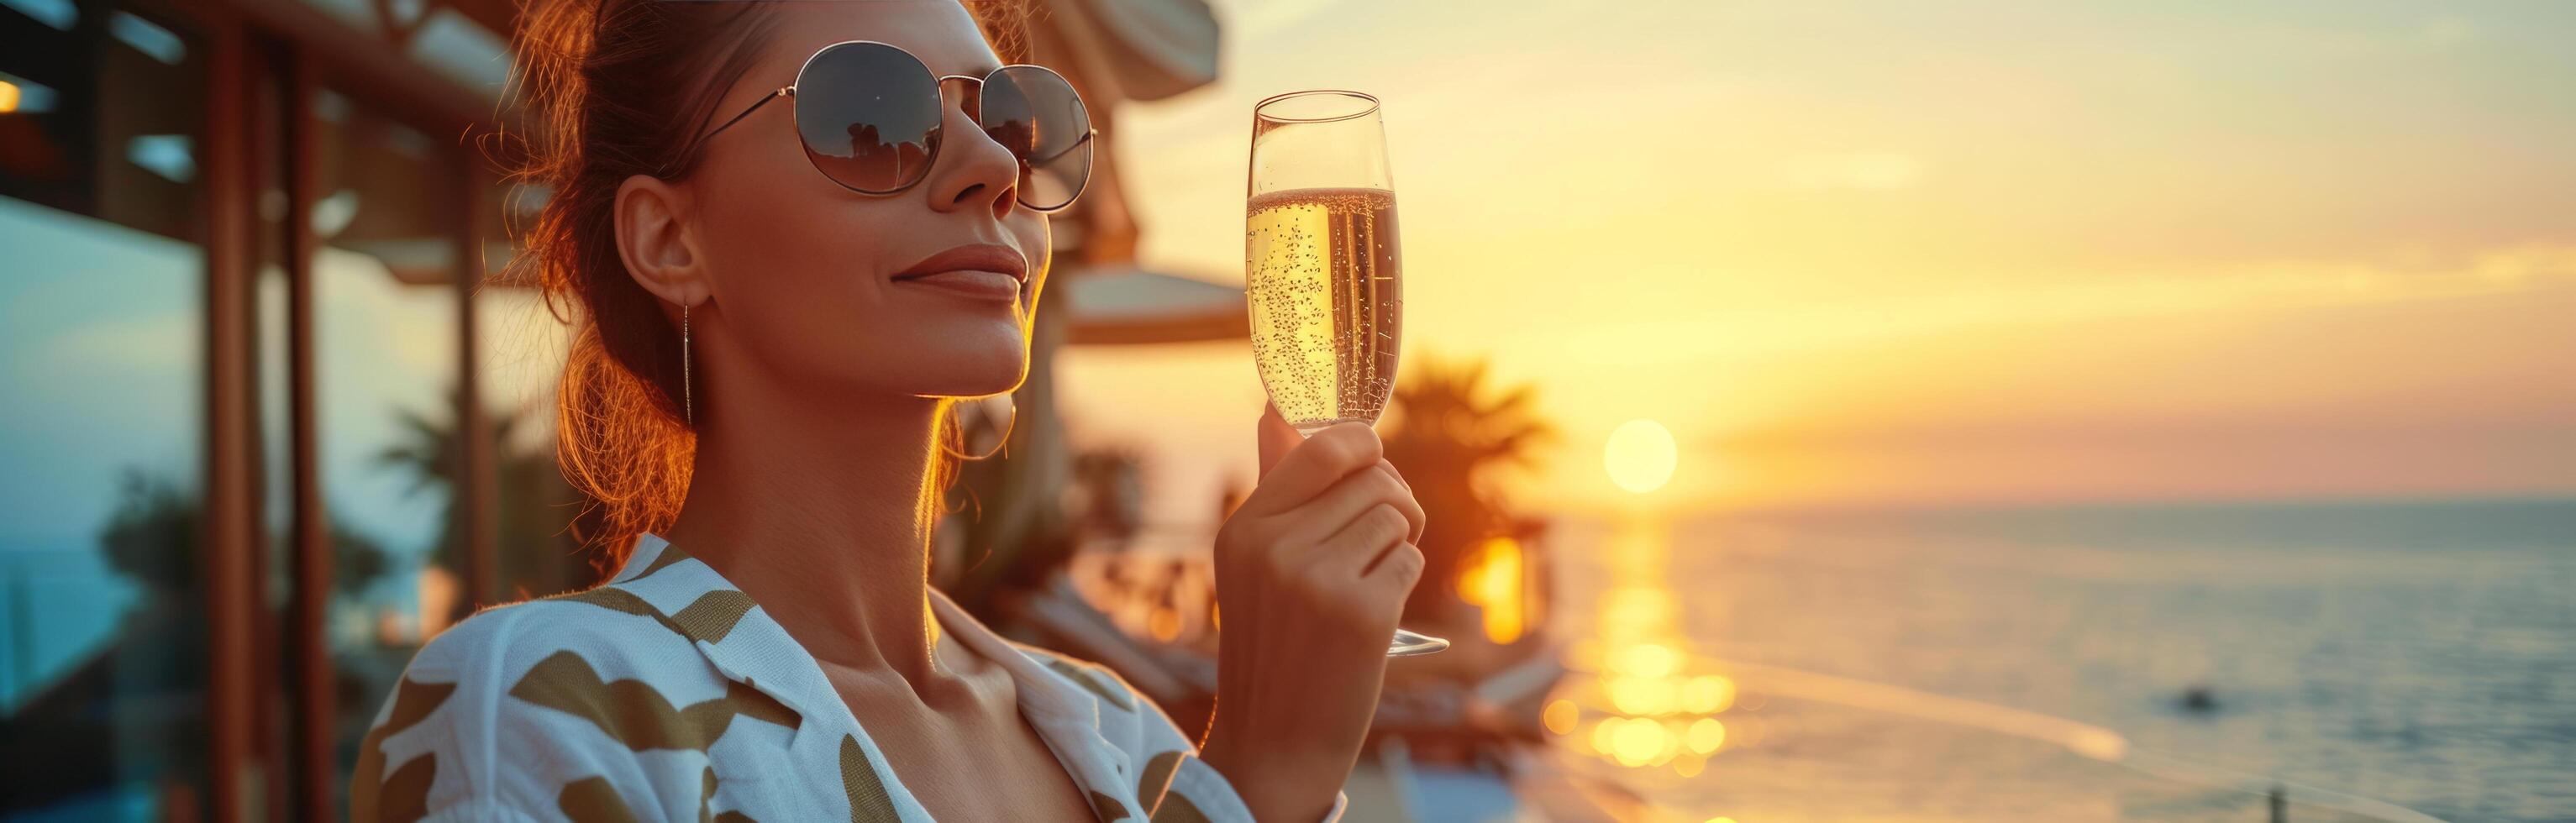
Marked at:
<point>1035,114</point>
<point>869,115</point>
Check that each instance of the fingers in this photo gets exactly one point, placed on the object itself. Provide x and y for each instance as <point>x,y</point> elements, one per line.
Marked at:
<point>1275,436</point>
<point>1365,538</point>
<point>1311,467</point>
<point>1354,495</point>
<point>1419,523</point>
<point>1375,545</point>
<point>1400,566</point>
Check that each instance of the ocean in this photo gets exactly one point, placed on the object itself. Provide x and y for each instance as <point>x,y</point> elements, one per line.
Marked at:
<point>2422,654</point>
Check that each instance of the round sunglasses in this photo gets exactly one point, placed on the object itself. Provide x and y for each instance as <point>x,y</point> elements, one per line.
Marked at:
<point>870,117</point>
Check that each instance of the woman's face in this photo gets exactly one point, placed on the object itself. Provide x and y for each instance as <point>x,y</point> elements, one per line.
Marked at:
<point>819,287</point>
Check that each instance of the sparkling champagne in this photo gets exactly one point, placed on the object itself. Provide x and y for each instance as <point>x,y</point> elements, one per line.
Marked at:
<point>1322,274</point>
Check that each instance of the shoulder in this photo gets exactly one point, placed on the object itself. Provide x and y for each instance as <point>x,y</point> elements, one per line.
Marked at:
<point>459,676</point>
<point>577,641</point>
<point>539,684</point>
<point>606,626</point>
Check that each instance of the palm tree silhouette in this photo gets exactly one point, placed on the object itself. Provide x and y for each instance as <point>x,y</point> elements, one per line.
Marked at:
<point>1450,436</point>
<point>535,509</point>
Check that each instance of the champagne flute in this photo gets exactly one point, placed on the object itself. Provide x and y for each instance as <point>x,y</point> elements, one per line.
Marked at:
<point>1322,269</point>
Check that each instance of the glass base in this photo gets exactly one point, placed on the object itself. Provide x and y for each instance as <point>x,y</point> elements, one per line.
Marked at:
<point>1409,643</point>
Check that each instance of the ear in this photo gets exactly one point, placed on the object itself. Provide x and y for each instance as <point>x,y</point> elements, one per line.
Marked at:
<point>655,240</point>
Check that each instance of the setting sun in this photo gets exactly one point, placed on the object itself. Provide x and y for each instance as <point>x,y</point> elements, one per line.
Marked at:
<point>1640,456</point>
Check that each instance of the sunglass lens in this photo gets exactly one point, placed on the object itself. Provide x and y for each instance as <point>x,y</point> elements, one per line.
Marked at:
<point>1036,114</point>
<point>869,115</point>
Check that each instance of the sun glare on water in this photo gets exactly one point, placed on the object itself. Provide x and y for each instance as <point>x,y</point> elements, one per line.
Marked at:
<point>1640,456</point>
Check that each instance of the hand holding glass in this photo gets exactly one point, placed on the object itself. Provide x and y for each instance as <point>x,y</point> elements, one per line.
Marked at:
<point>1322,267</point>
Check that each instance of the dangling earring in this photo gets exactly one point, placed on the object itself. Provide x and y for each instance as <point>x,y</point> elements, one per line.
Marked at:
<point>688,393</point>
<point>984,412</point>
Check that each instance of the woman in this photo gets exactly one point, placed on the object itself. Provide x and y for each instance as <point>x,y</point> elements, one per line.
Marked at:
<point>768,347</point>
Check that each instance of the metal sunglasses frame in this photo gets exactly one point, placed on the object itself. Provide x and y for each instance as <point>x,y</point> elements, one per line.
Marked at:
<point>937,81</point>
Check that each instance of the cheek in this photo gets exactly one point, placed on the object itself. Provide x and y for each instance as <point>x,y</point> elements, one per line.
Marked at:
<point>787,246</point>
<point>803,274</point>
<point>770,219</point>
<point>816,281</point>
<point>798,262</point>
<point>800,268</point>
<point>801,265</point>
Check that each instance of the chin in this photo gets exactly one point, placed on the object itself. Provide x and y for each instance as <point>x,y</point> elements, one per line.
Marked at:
<point>977,374</point>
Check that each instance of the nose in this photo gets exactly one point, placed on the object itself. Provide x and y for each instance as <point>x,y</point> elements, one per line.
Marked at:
<point>973,171</point>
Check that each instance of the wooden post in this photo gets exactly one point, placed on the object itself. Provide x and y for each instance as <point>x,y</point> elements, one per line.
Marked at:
<point>476,477</point>
<point>229,552</point>
<point>314,762</point>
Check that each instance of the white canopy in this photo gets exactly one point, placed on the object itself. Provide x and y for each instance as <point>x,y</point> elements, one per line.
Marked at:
<point>1126,305</point>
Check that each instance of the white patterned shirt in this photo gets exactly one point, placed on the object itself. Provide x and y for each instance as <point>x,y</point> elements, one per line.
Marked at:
<point>667,694</point>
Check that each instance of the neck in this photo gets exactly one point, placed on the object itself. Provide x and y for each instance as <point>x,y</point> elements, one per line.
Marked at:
<point>817,511</point>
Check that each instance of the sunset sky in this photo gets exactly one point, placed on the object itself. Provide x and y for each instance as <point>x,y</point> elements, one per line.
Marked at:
<point>1972,252</point>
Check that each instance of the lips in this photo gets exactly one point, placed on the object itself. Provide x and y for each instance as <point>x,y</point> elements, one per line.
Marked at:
<point>987,257</point>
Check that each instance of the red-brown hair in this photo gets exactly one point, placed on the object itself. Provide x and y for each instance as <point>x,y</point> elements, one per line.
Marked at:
<point>612,89</point>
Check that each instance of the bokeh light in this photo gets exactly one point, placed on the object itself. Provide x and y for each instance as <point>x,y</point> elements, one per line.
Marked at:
<point>1707,735</point>
<point>1560,716</point>
<point>1490,579</point>
<point>1708,694</point>
<point>1639,741</point>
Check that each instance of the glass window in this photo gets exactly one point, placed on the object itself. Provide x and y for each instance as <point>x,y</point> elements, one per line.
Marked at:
<point>102,630</point>
<point>387,216</point>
